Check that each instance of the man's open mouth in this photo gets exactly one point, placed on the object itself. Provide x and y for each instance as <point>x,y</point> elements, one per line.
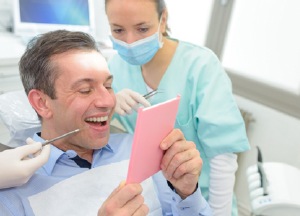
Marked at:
<point>97,120</point>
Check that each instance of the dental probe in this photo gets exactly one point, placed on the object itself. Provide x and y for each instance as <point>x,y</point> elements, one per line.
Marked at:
<point>60,137</point>
<point>150,94</point>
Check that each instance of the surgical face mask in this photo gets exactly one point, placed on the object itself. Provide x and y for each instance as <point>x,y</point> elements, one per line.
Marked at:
<point>139,52</point>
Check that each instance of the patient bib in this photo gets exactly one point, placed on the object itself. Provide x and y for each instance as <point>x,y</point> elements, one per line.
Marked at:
<point>83,194</point>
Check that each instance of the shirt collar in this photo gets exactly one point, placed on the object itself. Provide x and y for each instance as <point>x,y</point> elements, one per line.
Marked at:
<point>56,153</point>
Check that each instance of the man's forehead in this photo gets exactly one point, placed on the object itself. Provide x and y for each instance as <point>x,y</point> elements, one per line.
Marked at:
<point>105,78</point>
<point>81,61</point>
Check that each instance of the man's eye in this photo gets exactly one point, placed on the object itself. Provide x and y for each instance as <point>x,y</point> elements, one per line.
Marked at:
<point>85,91</point>
<point>108,87</point>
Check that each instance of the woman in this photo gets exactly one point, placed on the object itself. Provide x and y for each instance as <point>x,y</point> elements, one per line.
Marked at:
<point>149,59</point>
<point>16,167</point>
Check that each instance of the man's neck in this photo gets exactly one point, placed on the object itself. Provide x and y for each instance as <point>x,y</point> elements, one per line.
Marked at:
<point>64,145</point>
<point>86,154</point>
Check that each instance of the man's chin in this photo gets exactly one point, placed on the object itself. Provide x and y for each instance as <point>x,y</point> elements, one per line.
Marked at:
<point>98,143</point>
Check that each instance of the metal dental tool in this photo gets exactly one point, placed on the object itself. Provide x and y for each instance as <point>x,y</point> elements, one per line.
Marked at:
<point>150,94</point>
<point>263,178</point>
<point>60,137</point>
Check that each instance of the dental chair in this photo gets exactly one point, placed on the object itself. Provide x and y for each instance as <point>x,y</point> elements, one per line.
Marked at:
<point>274,188</point>
<point>18,116</point>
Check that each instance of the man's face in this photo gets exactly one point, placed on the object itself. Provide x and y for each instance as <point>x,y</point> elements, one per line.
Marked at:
<point>85,100</point>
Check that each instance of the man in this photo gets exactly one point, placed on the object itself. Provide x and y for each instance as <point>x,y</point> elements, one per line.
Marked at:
<point>68,84</point>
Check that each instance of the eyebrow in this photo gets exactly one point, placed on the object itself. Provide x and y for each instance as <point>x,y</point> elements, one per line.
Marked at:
<point>88,80</point>
<point>110,77</point>
<point>116,25</point>
<point>138,24</point>
<point>142,23</point>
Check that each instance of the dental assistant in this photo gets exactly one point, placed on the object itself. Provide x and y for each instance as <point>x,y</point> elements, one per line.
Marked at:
<point>16,168</point>
<point>149,59</point>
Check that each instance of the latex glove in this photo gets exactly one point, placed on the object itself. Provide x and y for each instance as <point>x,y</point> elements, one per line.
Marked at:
<point>16,167</point>
<point>128,100</point>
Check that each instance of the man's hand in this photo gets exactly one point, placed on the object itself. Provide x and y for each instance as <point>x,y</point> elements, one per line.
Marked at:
<point>181,163</point>
<point>128,100</point>
<point>16,167</point>
<point>126,200</point>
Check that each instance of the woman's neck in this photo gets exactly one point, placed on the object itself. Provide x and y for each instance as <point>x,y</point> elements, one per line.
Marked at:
<point>154,70</point>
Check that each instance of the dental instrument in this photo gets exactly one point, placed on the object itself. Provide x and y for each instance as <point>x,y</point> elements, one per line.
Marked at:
<point>150,94</point>
<point>60,137</point>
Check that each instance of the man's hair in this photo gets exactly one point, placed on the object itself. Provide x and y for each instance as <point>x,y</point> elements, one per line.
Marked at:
<point>36,67</point>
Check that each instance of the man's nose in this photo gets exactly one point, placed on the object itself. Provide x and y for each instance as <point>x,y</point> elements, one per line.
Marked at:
<point>105,98</point>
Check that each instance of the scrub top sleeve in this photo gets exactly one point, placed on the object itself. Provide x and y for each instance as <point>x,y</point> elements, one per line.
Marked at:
<point>219,122</point>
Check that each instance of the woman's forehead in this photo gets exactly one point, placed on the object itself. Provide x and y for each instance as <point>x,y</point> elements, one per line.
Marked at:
<point>135,8</point>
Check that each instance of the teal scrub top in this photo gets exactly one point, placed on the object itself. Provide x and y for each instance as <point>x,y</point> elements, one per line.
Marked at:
<point>208,113</point>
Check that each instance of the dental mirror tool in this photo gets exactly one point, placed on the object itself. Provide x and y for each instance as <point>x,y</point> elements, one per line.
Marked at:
<point>60,137</point>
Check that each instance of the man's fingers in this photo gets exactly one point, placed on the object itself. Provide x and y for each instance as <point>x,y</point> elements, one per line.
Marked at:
<point>142,211</point>
<point>174,149</point>
<point>133,206</point>
<point>125,200</point>
<point>126,193</point>
<point>179,163</point>
<point>188,167</point>
<point>174,136</point>
<point>116,190</point>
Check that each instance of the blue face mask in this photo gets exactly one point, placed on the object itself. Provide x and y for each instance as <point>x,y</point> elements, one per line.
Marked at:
<point>139,52</point>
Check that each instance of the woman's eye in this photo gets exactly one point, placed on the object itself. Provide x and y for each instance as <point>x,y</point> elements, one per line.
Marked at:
<point>143,29</point>
<point>118,31</point>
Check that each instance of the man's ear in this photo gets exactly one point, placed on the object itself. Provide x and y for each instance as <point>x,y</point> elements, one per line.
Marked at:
<point>40,102</point>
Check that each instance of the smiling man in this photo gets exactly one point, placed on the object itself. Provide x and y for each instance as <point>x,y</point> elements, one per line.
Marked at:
<point>69,85</point>
<point>82,98</point>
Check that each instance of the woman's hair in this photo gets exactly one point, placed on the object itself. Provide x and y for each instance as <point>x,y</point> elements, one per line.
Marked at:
<point>37,71</point>
<point>160,7</point>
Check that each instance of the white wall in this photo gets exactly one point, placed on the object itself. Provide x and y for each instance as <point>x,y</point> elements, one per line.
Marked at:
<point>5,13</point>
<point>101,23</point>
<point>189,19</point>
<point>263,42</point>
<point>277,134</point>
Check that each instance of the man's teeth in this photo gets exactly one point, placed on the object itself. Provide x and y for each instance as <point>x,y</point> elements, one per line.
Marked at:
<point>97,119</point>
